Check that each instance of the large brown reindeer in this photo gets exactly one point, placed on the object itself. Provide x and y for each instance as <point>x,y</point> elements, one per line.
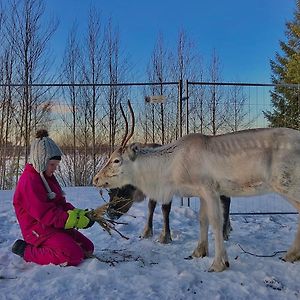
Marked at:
<point>243,163</point>
<point>121,200</point>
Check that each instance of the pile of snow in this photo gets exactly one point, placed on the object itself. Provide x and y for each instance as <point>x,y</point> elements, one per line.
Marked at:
<point>145,269</point>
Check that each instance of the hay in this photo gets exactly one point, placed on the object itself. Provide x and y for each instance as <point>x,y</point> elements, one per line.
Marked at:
<point>98,215</point>
<point>124,201</point>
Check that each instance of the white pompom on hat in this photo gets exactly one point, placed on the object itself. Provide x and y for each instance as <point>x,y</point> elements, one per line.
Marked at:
<point>42,150</point>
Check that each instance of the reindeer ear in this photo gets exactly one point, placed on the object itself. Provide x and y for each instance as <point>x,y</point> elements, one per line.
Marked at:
<point>133,149</point>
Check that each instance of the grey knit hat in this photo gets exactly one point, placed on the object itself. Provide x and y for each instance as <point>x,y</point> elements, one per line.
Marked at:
<point>42,150</point>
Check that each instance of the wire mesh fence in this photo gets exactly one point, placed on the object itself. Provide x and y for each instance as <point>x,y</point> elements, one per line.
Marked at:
<point>86,122</point>
<point>259,205</point>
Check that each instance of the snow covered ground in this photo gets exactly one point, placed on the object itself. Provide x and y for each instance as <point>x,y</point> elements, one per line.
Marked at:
<point>145,269</point>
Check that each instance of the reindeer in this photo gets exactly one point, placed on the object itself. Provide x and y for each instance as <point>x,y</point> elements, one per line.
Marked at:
<point>243,163</point>
<point>121,200</point>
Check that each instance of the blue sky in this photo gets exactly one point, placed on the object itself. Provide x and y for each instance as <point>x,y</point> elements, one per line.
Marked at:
<point>245,34</point>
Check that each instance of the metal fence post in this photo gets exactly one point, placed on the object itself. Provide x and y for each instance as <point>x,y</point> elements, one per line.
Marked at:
<point>187,115</point>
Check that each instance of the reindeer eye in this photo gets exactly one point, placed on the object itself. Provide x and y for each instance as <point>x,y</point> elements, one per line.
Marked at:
<point>116,161</point>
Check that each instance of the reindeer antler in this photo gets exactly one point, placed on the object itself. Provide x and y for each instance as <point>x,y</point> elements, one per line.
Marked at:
<point>127,137</point>
<point>126,126</point>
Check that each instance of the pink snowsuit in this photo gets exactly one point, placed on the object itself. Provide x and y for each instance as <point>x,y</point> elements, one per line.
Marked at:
<point>42,222</point>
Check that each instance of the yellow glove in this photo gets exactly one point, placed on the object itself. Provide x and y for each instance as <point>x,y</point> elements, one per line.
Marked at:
<point>78,219</point>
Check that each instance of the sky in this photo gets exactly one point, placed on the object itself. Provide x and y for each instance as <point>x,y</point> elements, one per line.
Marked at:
<point>145,269</point>
<point>244,34</point>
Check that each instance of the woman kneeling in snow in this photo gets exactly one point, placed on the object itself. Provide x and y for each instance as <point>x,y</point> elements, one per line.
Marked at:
<point>48,223</point>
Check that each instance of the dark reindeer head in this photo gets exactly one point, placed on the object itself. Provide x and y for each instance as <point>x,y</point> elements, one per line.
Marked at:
<point>121,200</point>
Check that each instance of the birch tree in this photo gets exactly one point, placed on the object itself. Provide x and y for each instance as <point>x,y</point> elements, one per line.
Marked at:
<point>116,68</point>
<point>93,73</point>
<point>157,71</point>
<point>29,37</point>
<point>71,73</point>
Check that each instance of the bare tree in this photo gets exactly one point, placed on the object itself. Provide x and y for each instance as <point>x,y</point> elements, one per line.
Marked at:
<point>71,73</point>
<point>197,108</point>
<point>7,122</point>
<point>185,65</point>
<point>87,123</point>
<point>116,67</point>
<point>93,65</point>
<point>157,72</point>
<point>6,109</point>
<point>30,41</point>
<point>1,17</point>
<point>226,108</point>
<point>215,98</point>
<point>23,59</point>
<point>235,109</point>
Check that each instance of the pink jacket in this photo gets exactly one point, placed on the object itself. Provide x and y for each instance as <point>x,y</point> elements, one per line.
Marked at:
<point>38,216</point>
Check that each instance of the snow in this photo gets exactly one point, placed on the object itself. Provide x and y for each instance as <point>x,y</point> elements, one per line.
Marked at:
<point>145,269</point>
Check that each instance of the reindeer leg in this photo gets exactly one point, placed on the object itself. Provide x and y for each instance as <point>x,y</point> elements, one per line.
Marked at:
<point>148,229</point>
<point>215,217</point>
<point>293,254</point>
<point>202,247</point>
<point>289,189</point>
<point>165,236</point>
<point>226,220</point>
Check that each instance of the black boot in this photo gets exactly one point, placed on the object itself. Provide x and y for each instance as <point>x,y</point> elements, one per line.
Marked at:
<point>18,247</point>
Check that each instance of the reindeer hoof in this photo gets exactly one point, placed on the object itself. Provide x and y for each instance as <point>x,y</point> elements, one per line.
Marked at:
<point>199,254</point>
<point>291,257</point>
<point>147,234</point>
<point>165,239</point>
<point>218,267</point>
<point>282,258</point>
<point>200,251</point>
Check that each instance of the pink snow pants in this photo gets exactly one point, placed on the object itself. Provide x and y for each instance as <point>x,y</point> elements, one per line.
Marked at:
<point>68,247</point>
